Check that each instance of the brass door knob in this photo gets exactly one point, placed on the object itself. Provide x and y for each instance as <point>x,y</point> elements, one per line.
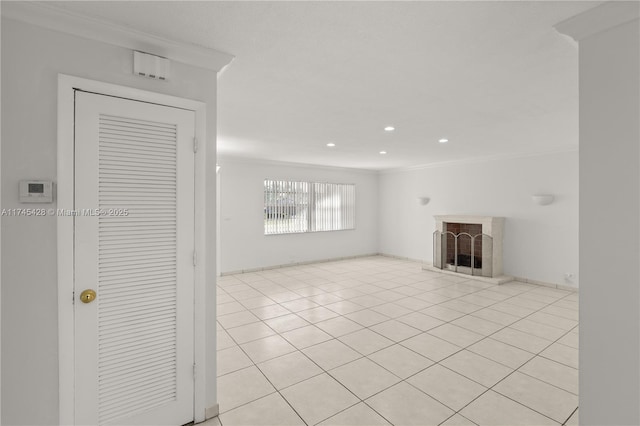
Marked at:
<point>87,296</point>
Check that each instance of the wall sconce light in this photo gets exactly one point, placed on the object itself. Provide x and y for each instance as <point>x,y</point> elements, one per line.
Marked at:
<point>217,168</point>
<point>542,199</point>
<point>423,201</point>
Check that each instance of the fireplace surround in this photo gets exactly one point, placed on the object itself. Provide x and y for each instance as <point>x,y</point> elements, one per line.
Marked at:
<point>469,245</point>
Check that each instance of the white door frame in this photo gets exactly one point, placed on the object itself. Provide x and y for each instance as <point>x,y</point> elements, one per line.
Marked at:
<point>65,228</point>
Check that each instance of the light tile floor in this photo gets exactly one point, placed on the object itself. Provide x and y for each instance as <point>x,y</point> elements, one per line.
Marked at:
<point>378,341</point>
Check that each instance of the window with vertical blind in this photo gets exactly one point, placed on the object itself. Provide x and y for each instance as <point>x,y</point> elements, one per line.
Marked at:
<point>294,207</point>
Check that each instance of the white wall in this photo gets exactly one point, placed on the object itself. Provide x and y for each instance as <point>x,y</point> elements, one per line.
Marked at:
<point>32,57</point>
<point>609,216</point>
<point>243,244</point>
<point>540,242</point>
<point>0,235</point>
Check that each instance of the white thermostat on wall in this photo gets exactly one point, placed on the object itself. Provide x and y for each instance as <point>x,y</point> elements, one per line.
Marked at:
<point>36,191</point>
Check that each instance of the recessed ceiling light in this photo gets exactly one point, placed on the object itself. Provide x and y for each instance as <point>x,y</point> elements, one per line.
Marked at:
<point>331,144</point>
<point>443,140</point>
<point>383,152</point>
<point>389,129</point>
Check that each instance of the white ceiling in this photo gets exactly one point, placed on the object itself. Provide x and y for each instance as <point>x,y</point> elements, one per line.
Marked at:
<point>494,78</point>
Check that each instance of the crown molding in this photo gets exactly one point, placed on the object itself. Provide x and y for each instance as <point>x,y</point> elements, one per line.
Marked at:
<point>231,159</point>
<point>600,18</point>
<point>56,19</point>
<point>479,160</point>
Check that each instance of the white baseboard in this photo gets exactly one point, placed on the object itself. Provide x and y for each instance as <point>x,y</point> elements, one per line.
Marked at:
<point>393,256</point>
<point>287,265</point>
<point>212,412</point>
<point>546,284</point>
<point>491,280</point>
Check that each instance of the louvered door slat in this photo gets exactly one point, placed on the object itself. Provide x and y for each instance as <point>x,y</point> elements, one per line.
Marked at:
<point>138,138</point>
<point>131,376</point>
<point>115,325</point>
<point>149,399</point>
<point>128,251</point>
<point>155,300</point>
<point>136,146</point>
<point>134,243</point>
<point>123,121</point>
<point>111,236</point>
<point>123,302</point>
<point>148,362</point>
<point>125,181</point>
<point>148,394</point>
<point>136,259</point>
<point>117,345</point>
<point>142,344</point>
<point>122,132</point>
<point>118,124</point>
<point>133,333</point>
<point>119,149</point>
<point>114,171</point>
<point>135,328</point>
<point>137,355</point>
<point>140,275</point>
<point>135,271</point>
<point>143,284</point>
<point>115,168</point>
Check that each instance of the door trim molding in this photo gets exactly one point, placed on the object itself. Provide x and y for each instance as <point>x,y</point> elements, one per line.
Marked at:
<point>65,229</point>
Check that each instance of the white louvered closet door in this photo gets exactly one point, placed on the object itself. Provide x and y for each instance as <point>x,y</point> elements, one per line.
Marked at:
<point>134,162</point>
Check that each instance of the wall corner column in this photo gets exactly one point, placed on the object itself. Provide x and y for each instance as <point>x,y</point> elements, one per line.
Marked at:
<point>608,39</point>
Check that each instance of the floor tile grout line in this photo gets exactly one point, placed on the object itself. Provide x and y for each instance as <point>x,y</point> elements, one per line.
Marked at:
<point>401,379</point>
<point>457,414</point>
<point>301,349</point>
<point>465,314</point>
<point>425,331</point>
<point>396,318</point>
<point>394,342</point>
<point>505,396</point>
<point>382,390</point>
<point>504,378</point>
<point>530,408</point>
<point>550,360</point>
<point>550,384</point>
<point>360,400</point>
<point>495,384</point>
<point>514,370</point>
<point>274,387</point>
<point>556,361</point>
<point>570,415</point>
<point>325,371</point>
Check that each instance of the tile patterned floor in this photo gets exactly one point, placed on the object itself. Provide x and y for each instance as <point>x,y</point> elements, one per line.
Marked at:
<point>378,341</point>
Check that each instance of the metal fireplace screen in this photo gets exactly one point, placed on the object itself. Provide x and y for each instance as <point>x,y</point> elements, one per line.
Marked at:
<point>463,252</point>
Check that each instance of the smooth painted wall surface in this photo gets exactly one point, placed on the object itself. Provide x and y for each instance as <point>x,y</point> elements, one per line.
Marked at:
<point>244,246</point>
<point>540,242</point>
<point>609,226</point>
<point>32,58</point>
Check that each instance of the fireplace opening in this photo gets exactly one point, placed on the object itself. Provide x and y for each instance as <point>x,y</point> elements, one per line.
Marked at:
<point>467,235</point>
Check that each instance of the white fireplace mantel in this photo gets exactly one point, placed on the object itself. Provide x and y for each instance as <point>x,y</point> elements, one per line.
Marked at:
<point>491,225</point>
